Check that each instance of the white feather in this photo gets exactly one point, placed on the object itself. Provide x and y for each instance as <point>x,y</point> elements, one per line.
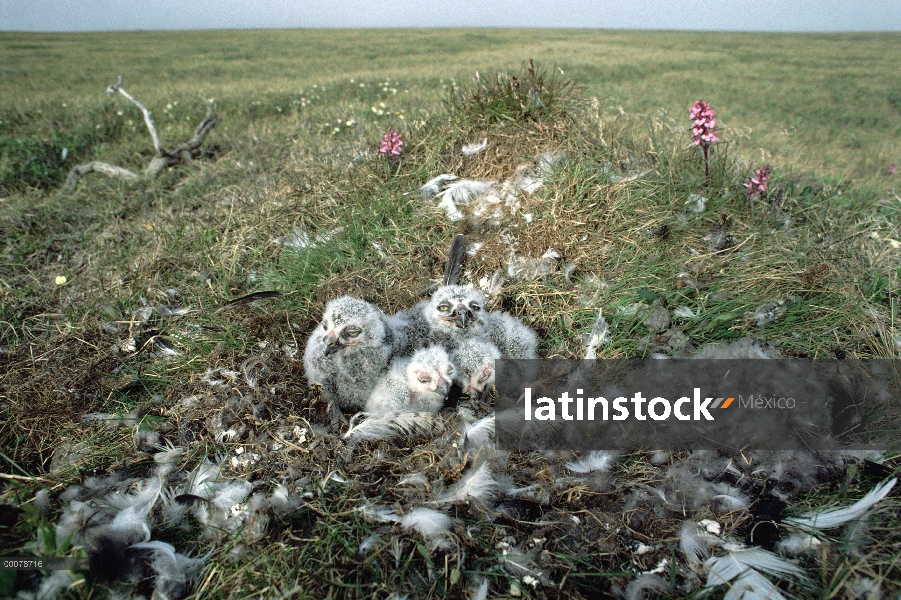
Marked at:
<point>53,586</point>
<point>599,460</point>
<point>369,543</point>
<point>471,149</point>
<point>830,518</point>
<point>428,522</point>
<point>281,502</point>
<point>798,543</point>
<point>392,426</point>
<point>478,484</point>
<point>733,501</point>
<point>751,585</point>
<point>600,335</point>
<point>723,569</point>
<point>480,433</point>
<point>647,585</point>
<point>231,495</point>
<point>142,501</point>
<point>378,514</point>
<point>693,543</point>
<point>481,592</point>
<point>433,186</point>
<point>414,479</point>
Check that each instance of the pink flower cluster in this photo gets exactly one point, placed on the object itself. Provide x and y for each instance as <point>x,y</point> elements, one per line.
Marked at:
<point>703,124</point>
<point>392,144</point>
<point>757,185</point>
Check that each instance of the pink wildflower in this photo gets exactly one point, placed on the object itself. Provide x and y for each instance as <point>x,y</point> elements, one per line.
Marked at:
<point>757,185</point>
<point>892,169</point>
<point>392,144</point>
<point>703,124</point>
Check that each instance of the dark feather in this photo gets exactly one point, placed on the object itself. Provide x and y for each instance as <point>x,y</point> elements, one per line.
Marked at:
<point>255,296</point>
<point>190,499</point>
<point>455,256</point>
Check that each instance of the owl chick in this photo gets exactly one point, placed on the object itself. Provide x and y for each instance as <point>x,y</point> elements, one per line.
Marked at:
<point>512,337</point>
<point>474,359</point>
<point>455,313</point>
<point>416,384</point>
<point>349,351</point>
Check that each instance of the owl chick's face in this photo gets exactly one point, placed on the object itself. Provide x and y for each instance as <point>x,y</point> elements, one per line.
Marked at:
<point>480,378</point>
<point>475,365</point>
<point>349,323</point>
<point>430,371</point>
<point>457,308</point>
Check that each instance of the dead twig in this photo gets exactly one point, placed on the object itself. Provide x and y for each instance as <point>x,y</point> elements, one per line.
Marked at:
<point>161,160</point>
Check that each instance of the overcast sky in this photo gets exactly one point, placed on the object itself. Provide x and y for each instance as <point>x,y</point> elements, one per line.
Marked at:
<point>729,15</point>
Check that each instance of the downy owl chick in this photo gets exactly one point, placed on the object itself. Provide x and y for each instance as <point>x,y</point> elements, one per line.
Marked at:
<point>349,351</point>
<point>416,384</point>
<point>474,359</point>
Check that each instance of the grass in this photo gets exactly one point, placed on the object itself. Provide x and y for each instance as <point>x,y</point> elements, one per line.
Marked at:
<point>298,112</point>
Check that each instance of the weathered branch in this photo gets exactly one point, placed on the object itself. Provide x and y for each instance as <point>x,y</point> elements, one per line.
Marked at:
<point>183,153</point>
<point>161,160</point>
<point>111,90</point>
<point>96,166</point>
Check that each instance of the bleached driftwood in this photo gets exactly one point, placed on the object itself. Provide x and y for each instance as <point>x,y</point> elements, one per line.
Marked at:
<point>162,159</point>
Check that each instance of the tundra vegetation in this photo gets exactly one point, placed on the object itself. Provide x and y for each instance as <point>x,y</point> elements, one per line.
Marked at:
<point>153,299</point>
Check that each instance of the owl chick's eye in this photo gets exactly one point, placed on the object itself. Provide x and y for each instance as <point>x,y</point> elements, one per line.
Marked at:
<point>475,306</point>
<point>353,331</point>
<point>444,307</point>
<point>486,373</point>
<point>423,378</point>
<point>450,371</point>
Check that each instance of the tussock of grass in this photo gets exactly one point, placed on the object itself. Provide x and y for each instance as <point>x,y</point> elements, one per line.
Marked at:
<point>532,96</point>
<point>212,231</point>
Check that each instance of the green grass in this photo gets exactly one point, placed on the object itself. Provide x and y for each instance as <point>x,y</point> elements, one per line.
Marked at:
<point>298,110</point>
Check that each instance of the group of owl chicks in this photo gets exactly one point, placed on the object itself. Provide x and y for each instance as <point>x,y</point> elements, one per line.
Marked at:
<point>407,362</point>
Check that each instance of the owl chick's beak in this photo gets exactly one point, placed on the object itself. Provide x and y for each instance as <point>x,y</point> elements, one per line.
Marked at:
<point>462,316</point>
<point>331,343</point>
<point>443,386</point>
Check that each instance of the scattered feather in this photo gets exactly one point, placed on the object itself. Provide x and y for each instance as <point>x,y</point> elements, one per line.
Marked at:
<point>300,239</point>
<point>255,296</point>
<point>113,420</point>
<point>281,502</point>
<point>369,543</point>
<point>733,500</point>
<point>378,514</point>
<point>798,543</point>
<point>165,346</point>
<point>738,560</point>
<point>648,585</point>
<point>478,434</point>
<point>767,313</point>
<point>696,204</point>
<point>472,149</point>
<point>477,485</point>
<point>524,268</point>
<point>830,518</point>
<point>388,427</point>
<point>414,479</point>
<point>167,312</point>
<point>597,461</point>
<point>600,335</point>
<point>435,185</point>
<point>428,522</point>
<point>694,543</point>
<point>481,592</point>
<point>684,312</point>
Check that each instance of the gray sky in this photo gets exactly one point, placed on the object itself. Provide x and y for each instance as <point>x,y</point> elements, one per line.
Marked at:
<point>729,15</point>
